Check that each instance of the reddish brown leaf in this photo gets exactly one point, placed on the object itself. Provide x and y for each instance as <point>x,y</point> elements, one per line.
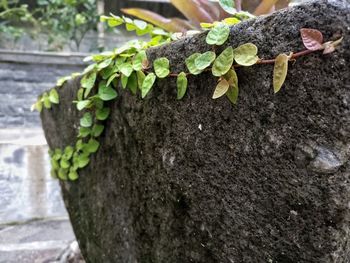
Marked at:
<point>193,11</point>
<point>312,38</point>
<point>171,25</point>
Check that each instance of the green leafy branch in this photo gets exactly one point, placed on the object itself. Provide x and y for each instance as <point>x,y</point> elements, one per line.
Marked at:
<point>129,67</point>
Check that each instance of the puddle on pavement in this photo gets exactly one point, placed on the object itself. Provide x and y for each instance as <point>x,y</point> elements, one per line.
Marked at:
<point>26,189</point>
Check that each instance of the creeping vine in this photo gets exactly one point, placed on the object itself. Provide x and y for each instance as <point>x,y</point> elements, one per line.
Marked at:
<point>129,66</point>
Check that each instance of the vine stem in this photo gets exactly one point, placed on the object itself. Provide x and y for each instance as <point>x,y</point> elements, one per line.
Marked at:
<point>294,56</point>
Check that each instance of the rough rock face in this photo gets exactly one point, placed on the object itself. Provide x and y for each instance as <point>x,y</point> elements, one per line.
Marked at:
<point>199,180</point>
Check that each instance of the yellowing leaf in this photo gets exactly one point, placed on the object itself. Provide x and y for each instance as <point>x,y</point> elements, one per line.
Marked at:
<point>161,67</point>
<point>218,35</point>
<point>312,38</point>
<point>280,71</point>
<point>181,85</point>
<point>223,62</point>
<point>204,60</point>
<point>190,63</point>
<point>246,54</point>
<point>221,89</point>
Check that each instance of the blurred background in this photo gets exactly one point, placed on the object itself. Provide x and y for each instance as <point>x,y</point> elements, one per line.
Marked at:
<point>40,41</point>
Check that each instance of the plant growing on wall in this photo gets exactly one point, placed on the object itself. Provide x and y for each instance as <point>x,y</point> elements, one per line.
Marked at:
<point>129,67</point>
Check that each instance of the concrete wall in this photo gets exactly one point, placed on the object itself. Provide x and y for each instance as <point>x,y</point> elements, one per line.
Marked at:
<point>23,76</point>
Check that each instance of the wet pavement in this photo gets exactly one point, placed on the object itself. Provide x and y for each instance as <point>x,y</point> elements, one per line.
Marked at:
<point>34,225</point>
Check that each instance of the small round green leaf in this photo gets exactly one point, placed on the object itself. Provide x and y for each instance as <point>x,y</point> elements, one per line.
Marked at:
<point>223,62</point>
<point>102,114</point>
<point>86,120</point>
<point>73,175</point>
<point>106,93</point>
<point>84,132</point>
<point>92,146</point>
<point>97,130</point>
<point>54,97</point>
<point>46,101</point>
<point>138,60</point>
<point>190,63</point>
<point>62,174</point>
<point>218,34</point>
<point>147,84</point>
<point>181,85</point>
<point>88,82</point>
<point>161,67</point>
<point>83,160</point>
<point>126,69</point>
<point>246,54</point>
<point>83,104</point>
<point>204,60</point>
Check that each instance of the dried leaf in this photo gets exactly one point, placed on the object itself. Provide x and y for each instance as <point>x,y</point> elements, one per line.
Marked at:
<point>312,38</point>
<point>280,71</point>
<point>221,89</point>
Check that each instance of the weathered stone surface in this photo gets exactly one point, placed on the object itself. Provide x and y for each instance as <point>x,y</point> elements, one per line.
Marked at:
<point>201,181</point>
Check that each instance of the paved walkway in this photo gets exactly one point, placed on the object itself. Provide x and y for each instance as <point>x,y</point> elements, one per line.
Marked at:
<point>34,225</point>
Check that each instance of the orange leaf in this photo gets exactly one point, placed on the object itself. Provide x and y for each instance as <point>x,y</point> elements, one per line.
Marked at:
<point>171,25</point>
<point>312,38</point>
<point>193,11</point>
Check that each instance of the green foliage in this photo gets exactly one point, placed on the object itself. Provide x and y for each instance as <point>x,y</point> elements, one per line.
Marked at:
<point>204,60</point>
<point>223,62</point>
<point>147,84</point>
<point>129,68</point>
<point>161,67</point>
<point>218,34</point>
<point>191,64</point>
<point>181,84</point>
<point>246,54</point>
<point>66,20</point>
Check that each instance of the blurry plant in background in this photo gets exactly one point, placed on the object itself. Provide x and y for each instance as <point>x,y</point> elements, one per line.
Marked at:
<point>12,18</point>
<point>67,21</point>
<point>62,21</point>
<point>206,12</point>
